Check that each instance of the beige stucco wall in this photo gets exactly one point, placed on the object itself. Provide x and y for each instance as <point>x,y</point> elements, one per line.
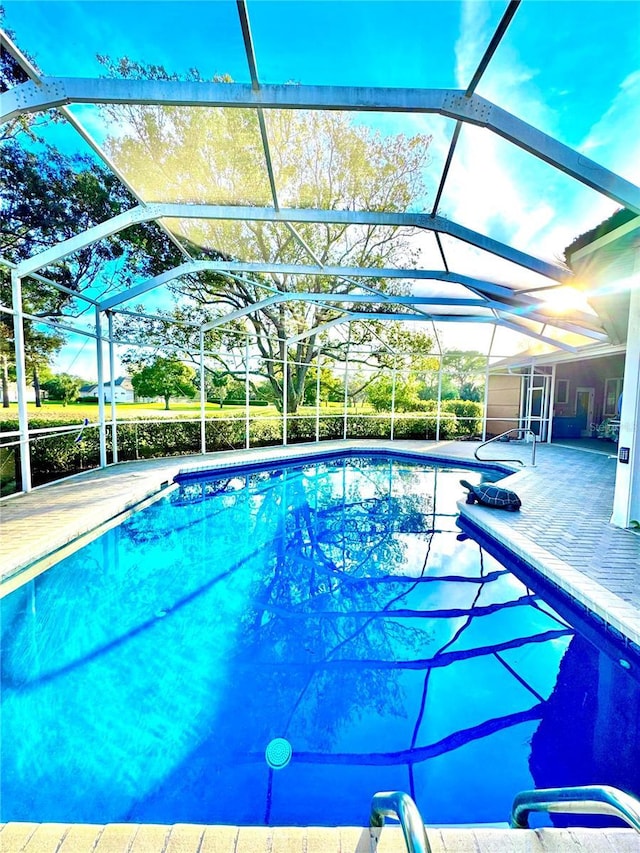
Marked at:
<point>503,403</point>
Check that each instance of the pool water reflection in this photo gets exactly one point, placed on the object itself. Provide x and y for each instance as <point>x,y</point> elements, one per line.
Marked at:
<point>329,603</point>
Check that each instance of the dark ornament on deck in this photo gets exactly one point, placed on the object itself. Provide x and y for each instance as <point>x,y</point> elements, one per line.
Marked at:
<point>488,494</point>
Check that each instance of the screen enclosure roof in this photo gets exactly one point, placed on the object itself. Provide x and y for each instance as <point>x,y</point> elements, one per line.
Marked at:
<point>468,143</point>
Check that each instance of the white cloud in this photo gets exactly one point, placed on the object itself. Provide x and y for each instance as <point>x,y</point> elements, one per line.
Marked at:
<point>614,140</point>
<point>485,188</point>
<point>474,37</point>
<point>496,188</point>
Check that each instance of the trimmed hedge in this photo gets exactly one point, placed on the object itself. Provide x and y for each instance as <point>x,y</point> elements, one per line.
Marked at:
<point>468,413</point>
<point>58,456</point>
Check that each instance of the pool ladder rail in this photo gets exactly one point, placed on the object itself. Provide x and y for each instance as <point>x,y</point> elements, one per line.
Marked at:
<point>518,431</point>
<point>588,799</point>
<point>399,805</point>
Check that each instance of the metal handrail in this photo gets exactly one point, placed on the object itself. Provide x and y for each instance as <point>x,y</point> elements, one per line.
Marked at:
<point>400,805</point>
<point>588,799</point>
<point>502,434</point>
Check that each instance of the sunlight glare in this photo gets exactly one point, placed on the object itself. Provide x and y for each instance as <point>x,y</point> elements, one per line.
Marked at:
<point>564,300</point>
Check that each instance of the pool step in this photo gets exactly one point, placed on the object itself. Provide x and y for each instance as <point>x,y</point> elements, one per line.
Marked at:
<point>188,838</point>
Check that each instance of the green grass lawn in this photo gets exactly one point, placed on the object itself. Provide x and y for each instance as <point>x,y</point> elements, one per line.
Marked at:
<point>54,412</point>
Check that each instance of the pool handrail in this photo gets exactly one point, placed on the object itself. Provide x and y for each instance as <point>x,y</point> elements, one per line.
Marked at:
<point>400,805</point>
<point>502,435</point>
<point>585,799</point>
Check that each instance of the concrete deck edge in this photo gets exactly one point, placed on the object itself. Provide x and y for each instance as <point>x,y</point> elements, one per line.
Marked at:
<point>598,600</point>
<point>198,838</point>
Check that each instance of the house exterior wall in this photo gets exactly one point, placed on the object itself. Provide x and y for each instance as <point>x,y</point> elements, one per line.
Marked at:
<point>122,395</point>
<point>592,373</point>
<point>503,403</point>
<point>31,394</point>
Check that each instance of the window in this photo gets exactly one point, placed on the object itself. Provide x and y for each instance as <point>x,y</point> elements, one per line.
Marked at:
<point>562,391</point>
<point>612,390</point>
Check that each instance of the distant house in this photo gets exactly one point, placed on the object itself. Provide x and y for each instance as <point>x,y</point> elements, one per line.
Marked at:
<point>123,390</point>
<point>88,390</point>
<point>13,393</point>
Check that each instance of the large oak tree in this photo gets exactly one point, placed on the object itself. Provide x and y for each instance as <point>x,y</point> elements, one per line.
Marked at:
<point>320,160</point>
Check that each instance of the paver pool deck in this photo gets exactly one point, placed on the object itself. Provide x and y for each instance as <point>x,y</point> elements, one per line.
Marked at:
<point>563,531</point>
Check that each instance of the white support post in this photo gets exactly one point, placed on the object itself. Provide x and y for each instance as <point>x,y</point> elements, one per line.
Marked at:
<point>544,408</point>
<point>285,392</point>
<point>522,405</point>
<point>102,431</point>
<point>552,397</point>
<point>486,387</point>
<point>247,436</point>
<point>21,381</point>
<point>203,397</point>
<point>485,407</point>
<point>529,399</point>
<point>318,396</point>
<point>112,376</point>
<point>393,395</point>
<point>626,497</point>
<point>346,390</point>
<point>439,399</point>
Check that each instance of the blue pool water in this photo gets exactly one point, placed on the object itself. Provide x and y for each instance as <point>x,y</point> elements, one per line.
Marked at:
<point>331,604</point>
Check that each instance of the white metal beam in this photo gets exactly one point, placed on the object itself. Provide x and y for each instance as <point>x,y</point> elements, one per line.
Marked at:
<point>102,429</point>
<point>318,329</point>
<point>453,103</point>
<point>145,213</point>
<point>58,91</point>
<point>21,380</point>
<point>626,500</point>
<point>243,312</point>
<point>86,238</point>
<point>507,300</point>
<point>61,287</point>
<point>488,287</point>
<point>421,318</point>
<point>410,301</point>
<point>340,297</point>
<point>523,330</point>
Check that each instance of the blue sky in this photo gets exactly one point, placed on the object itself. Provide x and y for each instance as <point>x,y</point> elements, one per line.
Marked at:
<point>571,68</point>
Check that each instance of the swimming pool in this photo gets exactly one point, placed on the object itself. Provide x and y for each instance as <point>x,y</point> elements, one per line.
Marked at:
<point>330,603</point>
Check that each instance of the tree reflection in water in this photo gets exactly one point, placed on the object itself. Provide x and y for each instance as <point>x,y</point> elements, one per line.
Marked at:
<point>328,603</point>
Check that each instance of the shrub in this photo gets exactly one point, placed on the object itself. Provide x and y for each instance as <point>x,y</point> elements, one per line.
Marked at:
<point>424,427</point>
<point>301,429</point>
<point>361,427</point>
<point>423,406</point>
<point>56,455</point>
<point>263,433</point>
<point>469,414</point>
<point>331,428</point>
<point>59,455</point>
